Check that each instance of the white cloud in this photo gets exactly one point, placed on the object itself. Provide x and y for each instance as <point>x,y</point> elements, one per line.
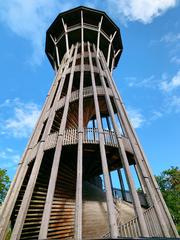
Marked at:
<point>173,84</point>
<point>149,82</point>
<point>30,19</point>
<point>170,37</point>
<point>9,158</point>
<point>137,119</point>
<point>141,10</point>
<point>23,117</point>
<point>174,103</point>
<point>175,60</point>
<point>155,115</point>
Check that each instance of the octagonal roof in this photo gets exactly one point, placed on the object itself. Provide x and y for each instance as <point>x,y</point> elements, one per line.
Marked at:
<point>72,17</point>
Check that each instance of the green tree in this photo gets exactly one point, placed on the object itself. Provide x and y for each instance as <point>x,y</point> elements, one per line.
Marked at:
<point>4,184</point>
<point>169,183</point>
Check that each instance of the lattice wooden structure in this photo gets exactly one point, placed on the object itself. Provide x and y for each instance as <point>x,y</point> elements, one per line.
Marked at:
<point>63,187</point>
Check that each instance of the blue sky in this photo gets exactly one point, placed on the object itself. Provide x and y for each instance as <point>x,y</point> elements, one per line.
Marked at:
<point>148,74</point>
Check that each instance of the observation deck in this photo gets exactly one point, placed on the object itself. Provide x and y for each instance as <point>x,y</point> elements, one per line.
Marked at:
<point>83,24</point>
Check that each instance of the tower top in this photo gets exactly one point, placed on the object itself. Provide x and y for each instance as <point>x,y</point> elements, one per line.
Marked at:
<point>85,24</point>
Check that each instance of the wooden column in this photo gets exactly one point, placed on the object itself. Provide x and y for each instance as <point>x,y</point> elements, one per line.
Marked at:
<point>55,166</point>
<point>78,209</point>
<point>140,178</point>
<point>123,191</point>
<point>110,47</point>
<point>99,34</point>
<point>110,178</point>
<point>57,52</point>
<point>124,159</point>
<point>66,36</point>
<point>134,144</point>
<point>110,205</point>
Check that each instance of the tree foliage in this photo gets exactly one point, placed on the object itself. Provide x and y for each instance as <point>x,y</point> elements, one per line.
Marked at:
<point>4,184</point>
<point>169,183</point>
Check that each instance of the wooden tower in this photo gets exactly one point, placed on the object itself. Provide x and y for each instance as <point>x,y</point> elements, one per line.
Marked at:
<point>64,186</point>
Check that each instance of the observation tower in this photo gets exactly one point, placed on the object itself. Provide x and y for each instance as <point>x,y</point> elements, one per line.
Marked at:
<point>84,174</point>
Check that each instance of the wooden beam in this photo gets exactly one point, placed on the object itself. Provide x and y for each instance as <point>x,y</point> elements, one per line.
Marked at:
<point>78,208</point>
<point>110,47</point>
<point>109,197</point>
<point>99,34</point>
<point>123,157</point>
<point>138,153</point>
<point>123,191</point>
<point>66,36</point>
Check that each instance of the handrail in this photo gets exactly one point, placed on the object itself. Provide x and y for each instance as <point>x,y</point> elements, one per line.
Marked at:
<point>119,194</point>
<point>88,91</point>
<point>131,227</point>
<point>91,135</point>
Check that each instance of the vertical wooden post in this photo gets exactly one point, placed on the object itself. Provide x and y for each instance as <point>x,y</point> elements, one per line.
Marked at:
<point>124,159</point>
<point>78,209</point>
<point>109,48</point>
<point>99,34</point>
<point>110,205</point>
<point>134,143</point>
<point>66,36</point>
<point>108,123</point>
<point>57,52</point>
<point>123,191</point>
<point>110,178</point>
<point>57,55</point>
<point>140,177</point>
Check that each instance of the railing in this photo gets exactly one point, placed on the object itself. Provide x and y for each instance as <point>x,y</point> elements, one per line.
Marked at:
<point>152,222</point>
<point>91,135</point>
<point>70,136</point>
<point>126,196</point>
<point>131,228</point>
<point>110,138</point>
<point>88,91</point>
